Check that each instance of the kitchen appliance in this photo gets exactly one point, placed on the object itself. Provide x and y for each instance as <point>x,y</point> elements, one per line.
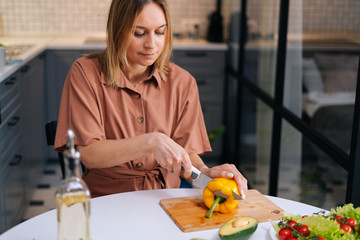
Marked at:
<point>188,213</point>
<point>215,30</point>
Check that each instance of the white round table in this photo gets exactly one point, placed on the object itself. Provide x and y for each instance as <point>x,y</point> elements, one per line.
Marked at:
<point>138,215</point>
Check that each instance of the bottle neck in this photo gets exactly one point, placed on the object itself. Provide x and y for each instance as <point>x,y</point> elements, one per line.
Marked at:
<point>72,168</point>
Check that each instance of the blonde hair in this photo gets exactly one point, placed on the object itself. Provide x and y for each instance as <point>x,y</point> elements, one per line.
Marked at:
<point>123,15</point>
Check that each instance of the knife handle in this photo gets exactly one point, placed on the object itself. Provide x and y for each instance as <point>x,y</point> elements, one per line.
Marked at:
<point>195,173</point>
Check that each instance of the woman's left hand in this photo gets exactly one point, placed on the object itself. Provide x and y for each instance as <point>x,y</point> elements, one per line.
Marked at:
<point>228,171</point>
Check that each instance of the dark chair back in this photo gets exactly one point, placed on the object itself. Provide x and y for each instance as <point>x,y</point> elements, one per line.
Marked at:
<point>50,129</point>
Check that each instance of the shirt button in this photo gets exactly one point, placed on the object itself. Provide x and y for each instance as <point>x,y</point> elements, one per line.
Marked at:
<point>140,119</point>
<point>139,164</point>
<point>137,96</point>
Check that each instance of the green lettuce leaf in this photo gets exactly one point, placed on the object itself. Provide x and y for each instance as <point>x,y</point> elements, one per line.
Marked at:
<point>324,226</point>
<point>347,211</point>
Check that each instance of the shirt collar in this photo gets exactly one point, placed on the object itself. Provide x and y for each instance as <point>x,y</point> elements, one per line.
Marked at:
<point>123,82</point>
<point>156,76</point>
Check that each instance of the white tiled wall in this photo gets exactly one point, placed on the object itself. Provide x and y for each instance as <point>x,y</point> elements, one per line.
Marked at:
<point>332,16</point>
<point>84,16</point>
<point>320,16</point>
<point>54,16</point>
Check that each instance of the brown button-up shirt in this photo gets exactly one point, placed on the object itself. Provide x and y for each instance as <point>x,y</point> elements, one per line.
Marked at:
<point>95,111</point>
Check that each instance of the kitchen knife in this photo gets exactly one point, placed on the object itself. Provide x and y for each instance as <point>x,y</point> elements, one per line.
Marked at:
<point>200,180</point>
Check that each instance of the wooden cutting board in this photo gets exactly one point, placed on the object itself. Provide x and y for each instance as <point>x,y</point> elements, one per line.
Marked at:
<point>189,212</point>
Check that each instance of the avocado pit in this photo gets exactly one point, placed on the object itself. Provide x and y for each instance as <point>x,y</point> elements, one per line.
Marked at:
<point>240,228</point>
<point>240,222</point>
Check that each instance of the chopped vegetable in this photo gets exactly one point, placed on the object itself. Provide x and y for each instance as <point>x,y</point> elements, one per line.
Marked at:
<point>217,203</point>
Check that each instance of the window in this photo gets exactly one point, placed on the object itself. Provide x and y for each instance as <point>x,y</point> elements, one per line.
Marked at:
<point>293,118</point>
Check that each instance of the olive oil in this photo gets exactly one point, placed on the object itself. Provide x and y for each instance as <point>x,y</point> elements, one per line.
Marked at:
<point>73,217</point>
<point>73,198</point>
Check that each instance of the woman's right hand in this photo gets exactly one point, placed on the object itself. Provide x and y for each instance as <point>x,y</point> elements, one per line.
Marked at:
<point>170,155</point>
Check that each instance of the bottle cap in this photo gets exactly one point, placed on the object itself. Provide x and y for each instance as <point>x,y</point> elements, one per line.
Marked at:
<point>71,151</point>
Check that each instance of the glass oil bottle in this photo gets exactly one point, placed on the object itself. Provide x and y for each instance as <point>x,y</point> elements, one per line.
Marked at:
<point>73,198</point>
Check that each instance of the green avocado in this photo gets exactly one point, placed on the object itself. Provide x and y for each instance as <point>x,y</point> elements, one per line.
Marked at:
<point>239,228</point>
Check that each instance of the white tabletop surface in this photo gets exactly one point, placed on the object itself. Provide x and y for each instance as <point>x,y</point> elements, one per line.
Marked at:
<point>138,215</point>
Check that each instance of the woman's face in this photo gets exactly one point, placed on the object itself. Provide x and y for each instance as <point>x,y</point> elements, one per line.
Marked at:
<point>149,37</point>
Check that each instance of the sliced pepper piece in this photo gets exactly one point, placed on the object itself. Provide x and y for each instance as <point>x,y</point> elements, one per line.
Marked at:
<point>217,203</point>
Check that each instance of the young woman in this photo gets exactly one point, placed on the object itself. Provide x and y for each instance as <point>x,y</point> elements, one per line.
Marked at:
<point>136,116</point>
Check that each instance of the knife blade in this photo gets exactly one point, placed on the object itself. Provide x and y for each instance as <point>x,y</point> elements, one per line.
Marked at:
<point>200,180</point>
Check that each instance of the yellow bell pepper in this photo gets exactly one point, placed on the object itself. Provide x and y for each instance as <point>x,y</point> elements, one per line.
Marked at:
<point>217,203</point>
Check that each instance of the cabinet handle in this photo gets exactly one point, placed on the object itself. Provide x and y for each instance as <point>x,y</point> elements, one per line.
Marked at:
<point>25,69</point>
<point>196,54</point>
<point>15,120</point>
<point>11,81</point>
<point>16,161</point>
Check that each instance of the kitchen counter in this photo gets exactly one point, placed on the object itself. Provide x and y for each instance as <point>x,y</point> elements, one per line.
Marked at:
<point>36,46</point>
<point>39,44</point>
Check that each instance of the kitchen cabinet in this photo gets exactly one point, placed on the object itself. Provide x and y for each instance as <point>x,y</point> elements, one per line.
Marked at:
<point>57,66</point>
<point>12,181</point>
<point>2,222</point>
<point>22,140</point>
<point>14,191</point>
<point>33,115</point>
<point>207,66</point>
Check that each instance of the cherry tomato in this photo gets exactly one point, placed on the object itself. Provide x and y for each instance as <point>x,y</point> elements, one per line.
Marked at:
<point>297,226</point>
<point>321,238</point>
<point>292,223</point>
<point>351,222</point>
<point>304,230</point>
<point>339,219</point>
<point>346,228</point>
<point>291,238</point>
<point>284,233</point>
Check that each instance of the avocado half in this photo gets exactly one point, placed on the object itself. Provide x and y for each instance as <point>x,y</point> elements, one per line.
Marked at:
<point>240,228</point>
